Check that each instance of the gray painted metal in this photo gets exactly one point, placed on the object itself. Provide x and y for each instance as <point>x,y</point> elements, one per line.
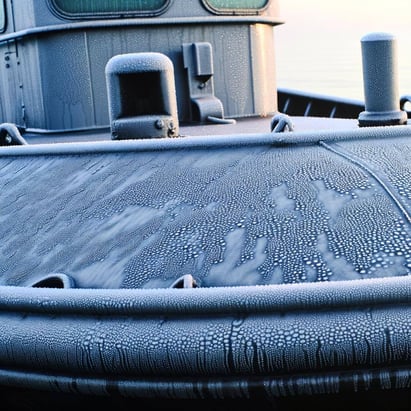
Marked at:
<point>222,343</point>
<point>141,96</point>
<point>382,100</point>
<point>299,244</point>
<point>230,262</point>
<point>54,79</point>
<point>229,210</point>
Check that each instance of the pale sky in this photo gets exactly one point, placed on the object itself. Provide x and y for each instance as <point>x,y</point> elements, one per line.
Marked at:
<point>320,41</point>
<point>381,15</point>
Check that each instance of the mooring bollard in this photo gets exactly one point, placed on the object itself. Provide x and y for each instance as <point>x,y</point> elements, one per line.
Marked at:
<point>380,75</point>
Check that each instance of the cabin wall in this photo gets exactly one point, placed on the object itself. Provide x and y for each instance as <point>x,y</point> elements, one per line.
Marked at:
<point>64,85</point>
<point>11,101</point>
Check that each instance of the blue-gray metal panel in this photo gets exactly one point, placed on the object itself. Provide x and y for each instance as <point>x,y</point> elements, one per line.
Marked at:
<point>250,212</point>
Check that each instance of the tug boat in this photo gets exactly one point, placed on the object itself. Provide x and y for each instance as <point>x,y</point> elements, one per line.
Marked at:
<point>177,231</point>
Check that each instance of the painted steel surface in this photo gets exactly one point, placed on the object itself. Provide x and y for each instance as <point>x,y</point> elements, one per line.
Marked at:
<point>299,244</point>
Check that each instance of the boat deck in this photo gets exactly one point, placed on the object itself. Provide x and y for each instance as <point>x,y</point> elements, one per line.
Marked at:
<point>240,127</point>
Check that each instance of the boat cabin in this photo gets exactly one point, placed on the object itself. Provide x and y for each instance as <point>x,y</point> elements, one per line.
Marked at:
<point>55,54</point>
<point>239,265</point>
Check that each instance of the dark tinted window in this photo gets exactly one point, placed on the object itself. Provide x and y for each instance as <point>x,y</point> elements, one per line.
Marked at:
<point>90,8</point>
<point>2,16</point>
<point>236,5</point>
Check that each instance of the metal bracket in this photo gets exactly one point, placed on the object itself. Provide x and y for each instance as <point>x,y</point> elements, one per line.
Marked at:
<point>198,61</point>
<point>185,281</point>
<point>10,135</point>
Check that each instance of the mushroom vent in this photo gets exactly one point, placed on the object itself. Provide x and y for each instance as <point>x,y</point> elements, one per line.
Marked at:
<point>141,96</point>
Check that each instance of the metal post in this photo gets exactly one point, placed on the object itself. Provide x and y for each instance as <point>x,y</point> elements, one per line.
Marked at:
<point>380,74</point>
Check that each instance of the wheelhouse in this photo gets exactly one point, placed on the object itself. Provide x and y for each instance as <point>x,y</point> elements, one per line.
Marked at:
<point>55,53</point>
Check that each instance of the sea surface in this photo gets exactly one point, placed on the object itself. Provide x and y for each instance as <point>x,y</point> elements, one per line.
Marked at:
<point>327,61</point>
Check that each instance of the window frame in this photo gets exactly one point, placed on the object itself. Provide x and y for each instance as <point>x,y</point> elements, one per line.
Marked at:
<point>3,26</point>
<point>107,14</point>
<point>232,11</point>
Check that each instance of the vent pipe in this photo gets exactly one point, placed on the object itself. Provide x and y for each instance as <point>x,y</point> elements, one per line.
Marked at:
<point>141,96</point>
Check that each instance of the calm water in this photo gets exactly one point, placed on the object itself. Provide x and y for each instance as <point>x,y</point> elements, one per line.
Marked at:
<point>330,62</point>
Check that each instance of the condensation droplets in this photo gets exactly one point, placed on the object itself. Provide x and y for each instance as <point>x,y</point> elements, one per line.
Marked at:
<point>228,216</point>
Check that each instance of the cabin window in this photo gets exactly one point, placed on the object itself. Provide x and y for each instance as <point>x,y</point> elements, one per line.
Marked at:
<point>108,8</point>
<point>2,16</point>
<point>235,6</point>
